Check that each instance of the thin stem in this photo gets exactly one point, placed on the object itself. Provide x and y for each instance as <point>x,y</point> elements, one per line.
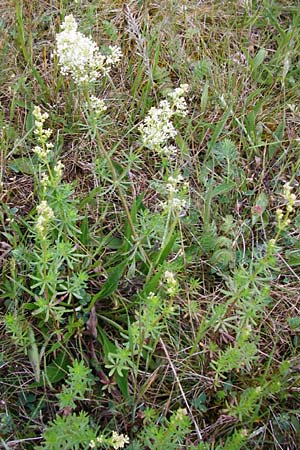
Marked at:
<point>181,390</point>
<point>171,230</point>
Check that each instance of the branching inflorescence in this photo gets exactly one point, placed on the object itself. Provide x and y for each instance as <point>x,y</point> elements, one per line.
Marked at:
<point>157,129</point>
<point>157,132</point>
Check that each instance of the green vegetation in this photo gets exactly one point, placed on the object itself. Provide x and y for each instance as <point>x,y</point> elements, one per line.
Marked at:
<point>149,243</point>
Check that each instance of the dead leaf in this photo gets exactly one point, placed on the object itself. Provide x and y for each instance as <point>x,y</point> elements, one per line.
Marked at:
<point>91,324</point>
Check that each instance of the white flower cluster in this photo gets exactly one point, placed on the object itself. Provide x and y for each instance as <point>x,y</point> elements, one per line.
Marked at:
<point>42,134</point>
<point>178,205</point>
<point>178,101</point>
<point>116,441</point>
<point>289,197</point>
<point>58,170</point>
<point>80,57</point>
<point>44,150</point>
<point>45,214</point>
<point>291,201</point>
<point>55,176</point>
<point>173,182</point>
<point>176,188</point>
<point>119,440</point>
<point>180,415</point>
<point>157,128</point>
<point>97,105</point>
<point>172,283</point>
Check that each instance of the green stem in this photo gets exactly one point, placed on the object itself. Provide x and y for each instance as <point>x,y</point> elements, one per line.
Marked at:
<point>167,236</point>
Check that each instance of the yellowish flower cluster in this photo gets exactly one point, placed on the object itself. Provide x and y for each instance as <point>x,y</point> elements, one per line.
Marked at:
<point>119,440</point>
<point>180,415</point>
<point>58,170</point>
<point>45,215</point>
<point>289,197</point>
<point>44,150</point>
<point>283,218</point>
<point>42,134</point>
<point>172,283</point>
<point>116,441</point>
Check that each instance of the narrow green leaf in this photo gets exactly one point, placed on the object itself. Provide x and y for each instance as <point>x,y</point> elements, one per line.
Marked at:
<point>109,347</point>
<point>40,80</point>
<point>258,59</point>
<point>21,31</point>
<point>217,131</point>
<point>136,205</point>
<point>22,165</point>
<point>294,260</point>
<point>182,144</point>
<point>164,253</point>
<point>55,371</point>
<point>114,243</point>
<point>204,97</point>
<point>85,232</point>
<point>111,283</point>
<point>152,284</point>
<point>33,354</point>
<point>29,121</point>
<point>223,188</point>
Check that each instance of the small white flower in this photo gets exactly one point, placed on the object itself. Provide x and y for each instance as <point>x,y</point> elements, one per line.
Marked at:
<point>173,182</point>
<point>179,204</point>
<point>115,55</point>
<point>169,150</point>
<point>169,276</point>
<point>45,210</point>
<point>176,188</point>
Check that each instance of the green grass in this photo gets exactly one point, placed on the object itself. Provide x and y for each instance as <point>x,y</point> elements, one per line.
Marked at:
<point>222,341</point>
